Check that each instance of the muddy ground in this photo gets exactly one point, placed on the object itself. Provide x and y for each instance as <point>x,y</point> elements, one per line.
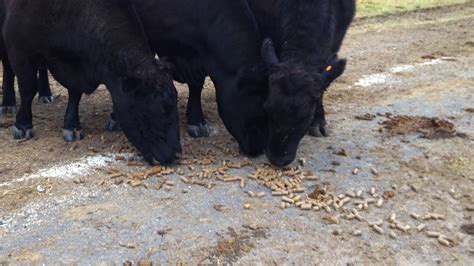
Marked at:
<point>59,202</point>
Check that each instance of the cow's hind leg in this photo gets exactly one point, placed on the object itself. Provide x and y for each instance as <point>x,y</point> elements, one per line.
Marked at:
<point>113,125</point>
<point>72,126</point>
<point>27,83</point>
<point>45,95</point>
<point>9,100</point>
<point>319,127</point>
<point>197,126</point>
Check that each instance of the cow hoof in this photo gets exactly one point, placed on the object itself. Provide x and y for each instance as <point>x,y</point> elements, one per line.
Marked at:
<point>8,110</point>
<point>319,131</point>
<point>73,135</point>
<point>199,131</point>
<point>113,125</point>
<point>23,133</point>
<point>46,99</point>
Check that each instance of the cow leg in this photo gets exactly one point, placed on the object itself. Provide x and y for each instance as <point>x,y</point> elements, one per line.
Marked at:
<point>72,126</point>
<point>9,100</point>
<point>113,125</point>
<point>319,126</point>
<point>197,126</point>
<point>45,95</point>
<point>27,83</point>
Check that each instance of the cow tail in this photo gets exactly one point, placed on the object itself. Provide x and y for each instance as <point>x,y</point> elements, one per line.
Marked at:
<point>250,15</point>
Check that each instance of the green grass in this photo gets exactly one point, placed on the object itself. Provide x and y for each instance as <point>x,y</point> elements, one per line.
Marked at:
<point>369,8</point>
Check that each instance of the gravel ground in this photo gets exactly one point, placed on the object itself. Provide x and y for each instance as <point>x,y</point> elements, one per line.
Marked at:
<point>88,202</point>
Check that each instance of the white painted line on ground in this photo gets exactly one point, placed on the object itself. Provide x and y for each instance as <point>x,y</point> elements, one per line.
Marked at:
<point>82,167</point>
<point>384,77</point>
<point>402,68</point>
<point>373,79</point>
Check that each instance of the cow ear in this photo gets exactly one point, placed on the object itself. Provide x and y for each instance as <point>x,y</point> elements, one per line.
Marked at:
<point>269,55</point>
<point>333,72</point>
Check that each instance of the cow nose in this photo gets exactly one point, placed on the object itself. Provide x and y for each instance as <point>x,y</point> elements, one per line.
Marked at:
<point>280,161</point>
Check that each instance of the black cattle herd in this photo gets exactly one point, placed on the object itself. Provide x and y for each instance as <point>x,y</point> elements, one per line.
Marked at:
<point>270,61</point>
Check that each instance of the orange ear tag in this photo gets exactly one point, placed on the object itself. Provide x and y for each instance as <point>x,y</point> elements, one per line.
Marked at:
<point>329,68</point>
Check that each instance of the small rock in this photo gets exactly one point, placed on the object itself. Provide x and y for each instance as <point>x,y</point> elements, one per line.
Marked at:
<point>302,161</point>
<point>341,152</point>
<point>414,188</point>
<point>219,207</point>
<point>40,188</point>
<point>468,228</point>
<point>163,232</point>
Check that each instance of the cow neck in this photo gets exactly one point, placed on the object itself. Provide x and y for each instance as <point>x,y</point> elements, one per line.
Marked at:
<point>127,53</point>
<point>119,39</point>
<point>307,31</point>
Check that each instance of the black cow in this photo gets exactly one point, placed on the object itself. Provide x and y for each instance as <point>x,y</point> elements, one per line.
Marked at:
<point>222,39</point>
<point>218,39</point>
<point>308,35</point>
<point>86,43</point>
<point>9,100</point>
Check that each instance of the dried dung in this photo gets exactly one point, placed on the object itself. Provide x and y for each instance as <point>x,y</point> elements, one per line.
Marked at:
<point>366,117</point>
<point>428,127</point>
<point>388,194</point>
<point>319,192</point>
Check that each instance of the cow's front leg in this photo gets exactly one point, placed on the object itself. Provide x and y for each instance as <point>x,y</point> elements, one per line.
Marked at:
<point>72,126</point>
<point>45,95</point>
<point>197,126</point>
<point>319,127</point>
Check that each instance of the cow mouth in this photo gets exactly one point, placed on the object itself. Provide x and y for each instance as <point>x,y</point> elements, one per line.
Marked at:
<point>280,160</point>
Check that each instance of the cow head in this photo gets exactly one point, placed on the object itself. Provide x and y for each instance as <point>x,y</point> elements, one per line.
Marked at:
<point>291,102</point>
<point>146,108</point>
<point>240,106</point>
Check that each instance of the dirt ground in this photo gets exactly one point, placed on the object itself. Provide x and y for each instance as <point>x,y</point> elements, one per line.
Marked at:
<point>88,202</point>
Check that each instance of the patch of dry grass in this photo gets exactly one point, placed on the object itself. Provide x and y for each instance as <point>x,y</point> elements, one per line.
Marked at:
<point>369,8</point>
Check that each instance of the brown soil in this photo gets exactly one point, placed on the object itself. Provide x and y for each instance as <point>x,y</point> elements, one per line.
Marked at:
<point>229,249</point>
